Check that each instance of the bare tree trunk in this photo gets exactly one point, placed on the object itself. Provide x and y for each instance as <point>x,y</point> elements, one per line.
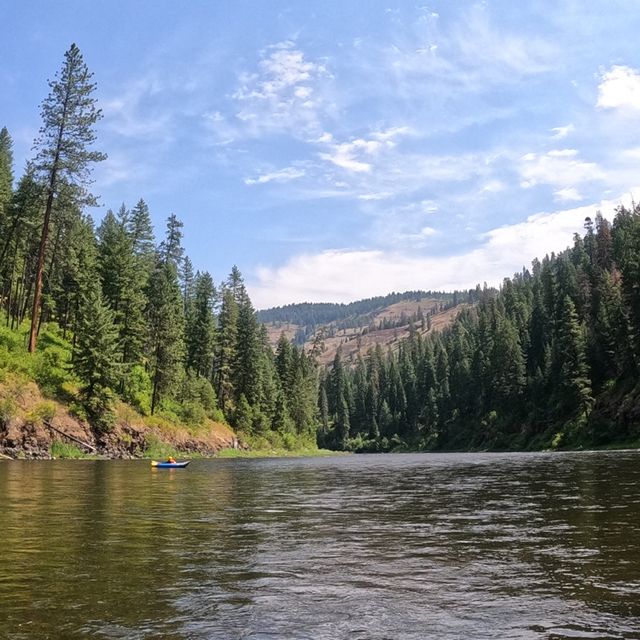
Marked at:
<point>35,311</point>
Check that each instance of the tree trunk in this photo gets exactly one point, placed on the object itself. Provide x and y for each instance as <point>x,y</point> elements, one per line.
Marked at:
<point>35,312</point>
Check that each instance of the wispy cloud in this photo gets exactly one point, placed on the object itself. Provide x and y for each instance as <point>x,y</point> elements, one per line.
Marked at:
<point>281,175</point>
<point>468,54</point>
<point>283,95</point>
<point>136,113</point>
<point>560,167</point>
<point>563,132</point>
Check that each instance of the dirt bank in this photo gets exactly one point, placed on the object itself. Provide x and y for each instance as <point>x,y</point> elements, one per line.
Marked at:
<point>30,424</point>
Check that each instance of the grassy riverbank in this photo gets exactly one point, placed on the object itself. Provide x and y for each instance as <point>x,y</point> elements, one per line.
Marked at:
<point>42,413</point>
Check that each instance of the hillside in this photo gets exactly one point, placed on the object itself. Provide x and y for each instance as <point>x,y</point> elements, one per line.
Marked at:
<point>41,415</point>
<point>384,321</point>
<point>551,360</point>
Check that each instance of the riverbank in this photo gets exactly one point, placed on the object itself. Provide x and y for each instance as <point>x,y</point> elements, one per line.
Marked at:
<point>33,426</point>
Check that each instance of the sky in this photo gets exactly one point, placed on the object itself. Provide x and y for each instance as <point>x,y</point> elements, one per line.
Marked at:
<point>339,150</point>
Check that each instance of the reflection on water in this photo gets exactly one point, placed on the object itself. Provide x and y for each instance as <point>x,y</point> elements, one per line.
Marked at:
<point>364,547</point>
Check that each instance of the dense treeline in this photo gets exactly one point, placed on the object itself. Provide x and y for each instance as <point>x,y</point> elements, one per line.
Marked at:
<point>319,313</point>
<point>144,327</point>
<point>550,360</point>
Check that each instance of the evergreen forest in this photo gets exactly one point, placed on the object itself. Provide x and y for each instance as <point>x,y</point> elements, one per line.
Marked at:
<point>549,360</point>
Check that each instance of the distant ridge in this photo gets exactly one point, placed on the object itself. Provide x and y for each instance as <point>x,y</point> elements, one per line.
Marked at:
<point>316,313</point>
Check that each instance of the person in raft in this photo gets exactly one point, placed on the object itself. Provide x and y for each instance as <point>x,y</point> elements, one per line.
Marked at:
<point>171,460</point>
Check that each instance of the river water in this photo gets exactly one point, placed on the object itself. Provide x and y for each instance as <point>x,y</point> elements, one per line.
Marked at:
<point>360,547</point>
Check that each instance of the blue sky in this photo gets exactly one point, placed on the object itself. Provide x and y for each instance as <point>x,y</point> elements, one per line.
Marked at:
<point>340,150</point>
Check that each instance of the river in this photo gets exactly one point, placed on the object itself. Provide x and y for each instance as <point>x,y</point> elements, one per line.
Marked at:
<point>412,546</point>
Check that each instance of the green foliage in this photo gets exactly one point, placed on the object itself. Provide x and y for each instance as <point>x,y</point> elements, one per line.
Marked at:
<point>65,450</point>
<point>137,388</point>
<point>550,360</point>
<point>97,360</point>
<point>157,449</point>
<point>41,413</point>
<point>50,369</point>
<point>8,410</point>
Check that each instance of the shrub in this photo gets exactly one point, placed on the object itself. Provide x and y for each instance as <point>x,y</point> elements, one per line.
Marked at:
<point>51,369</point>
<point>100,408</point>
<point>158,449</point>
<point>137,389</point>
<point>42,412</point>
<point>8,409</point>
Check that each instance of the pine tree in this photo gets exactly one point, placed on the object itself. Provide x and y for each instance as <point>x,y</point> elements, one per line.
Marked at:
<point>6,172</point>
<point>69,114</point>
<point>166,329</point>
<point>246,365</point>
<point>225,353</point>
<point>574,384</point>
<point>96,358</point>
<point>171,247</point>
<point>141,232</point>
<point>200,327</point>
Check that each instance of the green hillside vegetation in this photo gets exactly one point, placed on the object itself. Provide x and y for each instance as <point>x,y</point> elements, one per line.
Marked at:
<point>551,360</point>
<point>110,315</point>
<point>319,313</point>
<point>110,322</point>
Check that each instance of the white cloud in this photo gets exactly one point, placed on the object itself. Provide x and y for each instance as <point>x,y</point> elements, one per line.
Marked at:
<point>383,195</point>
<point>559,167</point>
<point>357,155</point>
<point>135,112</point>
<point>494,186</point>
<point>282,175</point>
<point>351,274</point>
<point>283,95</point>
<point>568,194</point>
<point>563,132</point>
<point>619,88</point>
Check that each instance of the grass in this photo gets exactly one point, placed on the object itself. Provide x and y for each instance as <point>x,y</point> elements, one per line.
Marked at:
<point>66,450</point>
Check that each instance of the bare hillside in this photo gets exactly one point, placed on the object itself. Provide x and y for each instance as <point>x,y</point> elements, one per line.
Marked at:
<point>386,327</point>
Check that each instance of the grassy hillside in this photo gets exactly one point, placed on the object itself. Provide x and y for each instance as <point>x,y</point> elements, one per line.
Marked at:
<point>386,326</point>
<point>41,413</point>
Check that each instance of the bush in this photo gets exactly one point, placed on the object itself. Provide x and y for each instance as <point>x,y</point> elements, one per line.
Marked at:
<point>42,412</point>
<point>100,408</point>
<point>158,449</point>
<point>137,389</point>
<point>11,340</point>
<point>8,409</point>
<point>51,369</point>
<point>196,391</point>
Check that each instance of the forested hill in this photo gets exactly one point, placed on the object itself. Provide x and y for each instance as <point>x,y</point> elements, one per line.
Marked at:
<point>551,360</point>
<point>318,313</point>
<point>116,325</point>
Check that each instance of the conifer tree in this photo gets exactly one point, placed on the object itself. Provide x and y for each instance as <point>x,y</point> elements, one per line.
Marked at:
<point>141,232</point>
<point>225,353</point>
<point>171,247</point>
<point>69,114</point>
<point>96,358</point>
<point>574,383</point>
<point>166,330</point>
<point>6,172</point>
<point>200,327</point>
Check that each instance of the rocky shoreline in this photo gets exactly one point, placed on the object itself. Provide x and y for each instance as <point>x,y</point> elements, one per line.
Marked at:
<point>20,439</point>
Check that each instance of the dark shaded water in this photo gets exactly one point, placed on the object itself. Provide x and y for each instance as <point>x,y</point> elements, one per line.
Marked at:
<point>387,546</point>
